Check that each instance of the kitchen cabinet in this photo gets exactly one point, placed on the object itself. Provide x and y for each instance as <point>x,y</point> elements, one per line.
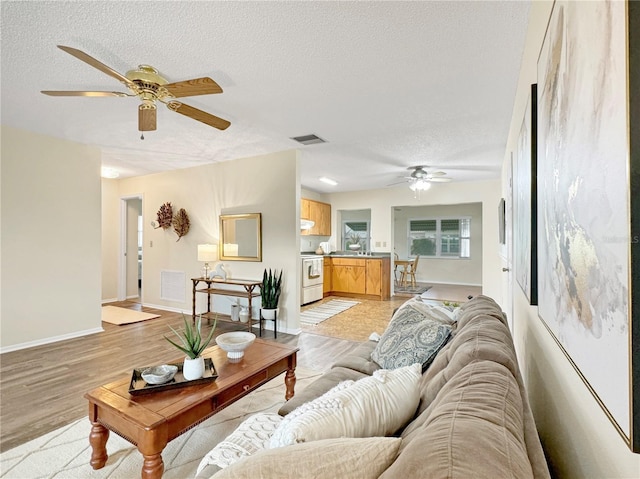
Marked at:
<point>357,277</point>
<point>348,276</point>
<point>328,271</point>
<point>319,213</point>
<point>378,277</point>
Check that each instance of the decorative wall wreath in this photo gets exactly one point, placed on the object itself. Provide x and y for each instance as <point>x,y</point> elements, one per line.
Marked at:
<point>181,223</point>
<point>165,216</point>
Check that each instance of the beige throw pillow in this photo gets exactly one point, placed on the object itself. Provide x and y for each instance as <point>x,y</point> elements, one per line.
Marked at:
<point>377,405</point>
<point>352,458</point>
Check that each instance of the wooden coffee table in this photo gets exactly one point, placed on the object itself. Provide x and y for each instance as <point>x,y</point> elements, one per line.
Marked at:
<point>150,421</point>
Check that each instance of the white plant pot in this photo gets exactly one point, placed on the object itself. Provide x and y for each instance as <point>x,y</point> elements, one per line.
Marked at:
<point>269,313</point>
<point>235,312</point>
<point>193,368</point>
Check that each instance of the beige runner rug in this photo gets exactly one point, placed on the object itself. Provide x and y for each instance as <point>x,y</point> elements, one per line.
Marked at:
<point>119,316</point>
<point>65,452</point>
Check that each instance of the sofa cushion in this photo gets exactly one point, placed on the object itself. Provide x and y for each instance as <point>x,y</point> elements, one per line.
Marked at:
<point>378,405</point>
<point>320,386</point>
<point>355,458</point>
<point>411,337</point>
<point>474,428</point>
<point>251,436</point>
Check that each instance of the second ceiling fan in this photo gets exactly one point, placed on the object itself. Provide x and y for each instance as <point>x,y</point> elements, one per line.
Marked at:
<point>150,87</point>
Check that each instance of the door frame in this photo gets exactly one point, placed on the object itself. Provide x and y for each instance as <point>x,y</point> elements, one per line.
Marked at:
<point>122,248</point>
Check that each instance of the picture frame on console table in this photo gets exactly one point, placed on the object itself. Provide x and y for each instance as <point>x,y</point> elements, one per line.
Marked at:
<point>525,199</point>
<point>588,206</point>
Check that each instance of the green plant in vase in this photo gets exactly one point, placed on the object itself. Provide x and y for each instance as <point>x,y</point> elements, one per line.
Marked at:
<point>192,344</point>
<point>354,241</point>
<point>270,293</point>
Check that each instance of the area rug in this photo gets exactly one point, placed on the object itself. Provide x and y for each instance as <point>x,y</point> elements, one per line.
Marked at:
<point>409,290</point>
<point>324,311</point>
<point>65,453</point>
<point>116,315</point>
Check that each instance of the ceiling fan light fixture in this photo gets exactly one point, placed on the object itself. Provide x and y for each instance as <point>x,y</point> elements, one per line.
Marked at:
<point>420,185</point>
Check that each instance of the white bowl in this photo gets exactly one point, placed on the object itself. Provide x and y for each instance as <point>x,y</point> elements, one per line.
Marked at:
<point>159,374</point>
<point>354,246</point>
<point>235,342</point>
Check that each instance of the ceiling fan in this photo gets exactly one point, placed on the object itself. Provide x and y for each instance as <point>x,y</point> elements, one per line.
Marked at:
<point>149,87</point>
<point>420,179</point>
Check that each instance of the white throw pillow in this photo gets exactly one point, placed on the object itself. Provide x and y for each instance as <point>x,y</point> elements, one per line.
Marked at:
<point>251,436</point>
<point>378,405</point>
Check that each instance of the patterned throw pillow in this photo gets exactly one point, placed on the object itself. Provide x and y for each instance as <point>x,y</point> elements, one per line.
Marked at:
<point>251,436</point>
<point>410,338</point>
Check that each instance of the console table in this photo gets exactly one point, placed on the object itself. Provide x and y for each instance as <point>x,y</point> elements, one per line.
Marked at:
<point>250,289</point>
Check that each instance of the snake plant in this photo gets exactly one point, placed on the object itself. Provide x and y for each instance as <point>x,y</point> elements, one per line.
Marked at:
<point>191,338</point>
<point>271,289</point>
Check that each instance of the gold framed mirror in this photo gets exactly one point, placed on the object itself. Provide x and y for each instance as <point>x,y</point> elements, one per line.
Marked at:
<point>240,237</point>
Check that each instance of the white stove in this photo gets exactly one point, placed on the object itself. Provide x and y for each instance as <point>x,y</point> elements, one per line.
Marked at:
<point>312,278</point>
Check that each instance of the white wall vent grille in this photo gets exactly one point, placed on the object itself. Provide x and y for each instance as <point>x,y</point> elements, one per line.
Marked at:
<point>172,286</point>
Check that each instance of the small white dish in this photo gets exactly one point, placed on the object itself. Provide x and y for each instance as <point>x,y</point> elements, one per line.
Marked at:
<point>235,342</point>
<point>159,374</point>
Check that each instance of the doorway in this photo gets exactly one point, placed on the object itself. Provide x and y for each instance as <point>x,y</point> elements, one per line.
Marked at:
<point>131,256</point>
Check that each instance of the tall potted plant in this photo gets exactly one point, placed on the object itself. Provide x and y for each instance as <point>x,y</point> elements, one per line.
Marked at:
<point>270,292</point>
<point>192,344</point>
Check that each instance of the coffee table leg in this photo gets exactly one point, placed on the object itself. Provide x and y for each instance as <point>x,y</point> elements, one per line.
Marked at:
<point>98,440</point>
<point>153,467</point>
<point>290,382</point>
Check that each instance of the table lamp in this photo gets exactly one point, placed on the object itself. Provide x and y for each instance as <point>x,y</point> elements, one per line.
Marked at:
<point>206,253</point>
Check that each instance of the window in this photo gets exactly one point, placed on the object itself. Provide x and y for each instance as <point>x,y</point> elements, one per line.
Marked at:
<point>355,232</point>
<point>440,237</point>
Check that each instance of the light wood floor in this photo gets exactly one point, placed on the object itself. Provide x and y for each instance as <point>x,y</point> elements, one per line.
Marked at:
<point>51,395</point>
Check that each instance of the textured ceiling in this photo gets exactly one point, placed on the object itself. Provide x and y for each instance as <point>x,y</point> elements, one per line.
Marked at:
<point>387,84</point>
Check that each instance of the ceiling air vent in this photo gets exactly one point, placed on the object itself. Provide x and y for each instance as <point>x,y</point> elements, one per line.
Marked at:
<point>308,139</point>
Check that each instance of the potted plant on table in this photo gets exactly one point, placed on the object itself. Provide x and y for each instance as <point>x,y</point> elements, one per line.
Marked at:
<point>270,293</point>
<point>192,344</point>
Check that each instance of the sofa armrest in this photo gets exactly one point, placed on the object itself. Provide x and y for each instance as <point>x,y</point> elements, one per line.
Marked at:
<point>360,359</point>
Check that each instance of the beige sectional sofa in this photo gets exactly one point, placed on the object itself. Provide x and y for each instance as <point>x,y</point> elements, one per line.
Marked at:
<point>471,417</point>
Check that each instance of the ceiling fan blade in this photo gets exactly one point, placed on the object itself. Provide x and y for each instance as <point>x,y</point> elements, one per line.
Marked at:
<point>197,86</point>
<point>80,55</point>
<point>191,112</point>
<point>84,93</point>
<point>146,118</point>
<point>438,173</point>
<point>439,180</point>
<point>398,183</point>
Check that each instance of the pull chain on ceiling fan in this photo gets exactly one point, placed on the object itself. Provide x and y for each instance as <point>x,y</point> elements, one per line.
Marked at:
<point>146,83</point>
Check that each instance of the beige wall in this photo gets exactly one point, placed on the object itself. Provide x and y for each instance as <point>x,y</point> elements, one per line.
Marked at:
<point>382,201</point>
<point>578,438</point>
<point>110,228</point>
<point>50,239</point>
<point>452,271</point>
<point>271,188</point>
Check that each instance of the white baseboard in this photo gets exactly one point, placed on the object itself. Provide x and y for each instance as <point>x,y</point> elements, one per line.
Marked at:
<point>110,300</point>
<point>167,308</point>
<point>54,339</point>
